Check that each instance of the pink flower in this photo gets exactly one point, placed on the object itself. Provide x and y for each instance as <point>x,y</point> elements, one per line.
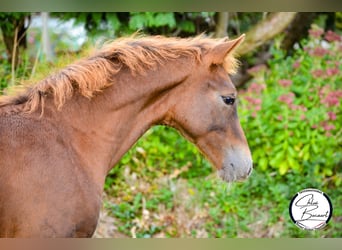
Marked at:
<point>298,107</point>
<point>322,91</point>
<point>302,117</point>
<point>286,98</point>
<point>257,108</point>
<point>293,106</point>
<point>328,127</point>
<point>332,115</point>
<point>333,71</point>
<point>257,101</point>
<point>296,64</point>
<point>280,117</point>
<point>256,87</point>
<point>254,104</point>
<point>318,73</point>
<point>251,100</point>
<point>331,101</point>
<point>332,98</point>
<point>285,82</point>
<point>331,36</point>
<point>319,52</point>
<point>316,32</point>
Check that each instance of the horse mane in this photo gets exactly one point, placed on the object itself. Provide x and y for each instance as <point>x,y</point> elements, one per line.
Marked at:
<point>93,74</point>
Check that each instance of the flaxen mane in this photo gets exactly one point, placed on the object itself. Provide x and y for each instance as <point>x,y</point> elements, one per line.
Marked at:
<point>97,72</point>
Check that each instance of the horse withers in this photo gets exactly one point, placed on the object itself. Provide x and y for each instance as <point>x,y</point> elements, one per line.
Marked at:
<point>60,137</point>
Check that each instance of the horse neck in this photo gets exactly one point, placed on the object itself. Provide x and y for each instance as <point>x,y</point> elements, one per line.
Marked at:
<point>110,123</point>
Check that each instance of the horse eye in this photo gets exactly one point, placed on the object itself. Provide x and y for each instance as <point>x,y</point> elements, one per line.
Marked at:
<point>228,100</point>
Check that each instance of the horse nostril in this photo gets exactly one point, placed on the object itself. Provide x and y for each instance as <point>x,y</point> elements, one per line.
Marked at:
<point>249,171</point>
<point>232,165</point>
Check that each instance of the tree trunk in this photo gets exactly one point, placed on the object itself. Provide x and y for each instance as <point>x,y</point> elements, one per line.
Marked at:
<point>298,29</point>
<point>222,24</point>
<point>47,48</point>
<point>264,31</point>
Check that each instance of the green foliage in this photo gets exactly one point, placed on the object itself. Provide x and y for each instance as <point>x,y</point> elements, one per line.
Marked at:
<point>125,23</point>
<point>259,206</point>
<point>338,23</point>
<point>161,151</point>
<point>241,22</point>
<point>240,210</point>
<point>132,213</point>
<point>8,20</point>
<point>22,72</point>
<point>5,71</point>
<point>291,113</point>
<point>151,19</point>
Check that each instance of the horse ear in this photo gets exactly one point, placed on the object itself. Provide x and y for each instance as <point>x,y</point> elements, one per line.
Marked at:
<point>219,52</point>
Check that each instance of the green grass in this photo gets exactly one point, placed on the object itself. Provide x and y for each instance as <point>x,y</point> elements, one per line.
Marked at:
<point>196,203</point>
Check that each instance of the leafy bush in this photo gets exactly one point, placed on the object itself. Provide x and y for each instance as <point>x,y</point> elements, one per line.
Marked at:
<point>291,111</point>
<point>161,151</point>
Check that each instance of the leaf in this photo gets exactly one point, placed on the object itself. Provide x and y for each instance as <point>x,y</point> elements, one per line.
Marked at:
<point>263,163</point>
<point>257,153</point>
<point>137,201</point>
<point>113,21</point>
<point>280,138</point>
<point>283,167</point>
<point>165,19</point>
<point>292,152</point>
<point>314,147</point>
<point>304,152</point>
<point>277,160</point>
<point>137,21</point>
<point>328,172</point>
<point>187,26</point>
<point>293,164</point>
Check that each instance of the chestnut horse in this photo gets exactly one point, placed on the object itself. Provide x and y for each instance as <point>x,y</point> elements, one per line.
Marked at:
<point>61,136</point>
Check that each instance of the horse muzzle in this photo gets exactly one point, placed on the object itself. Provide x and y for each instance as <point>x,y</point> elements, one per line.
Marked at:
<point>237,165</point>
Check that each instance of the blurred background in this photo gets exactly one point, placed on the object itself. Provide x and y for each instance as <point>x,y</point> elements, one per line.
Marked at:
<point>290,92</point>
